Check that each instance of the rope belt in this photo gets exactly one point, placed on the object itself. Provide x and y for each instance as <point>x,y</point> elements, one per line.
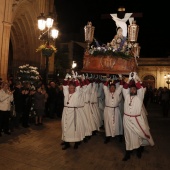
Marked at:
<point>111,107</point>
<point>93,102</point>
<point>70,107</point>
<point>131,115</point>
<point>75,115</point>
<point>138,124</point>
<point>113,112</point>
<point>74,107</point>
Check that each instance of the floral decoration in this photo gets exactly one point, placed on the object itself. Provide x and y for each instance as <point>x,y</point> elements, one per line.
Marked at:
<point>108,50</point>
<point>27,73</point>
<point>47,49</point>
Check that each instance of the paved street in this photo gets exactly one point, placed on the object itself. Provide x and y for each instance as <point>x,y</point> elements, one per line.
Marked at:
<point>38,148</point>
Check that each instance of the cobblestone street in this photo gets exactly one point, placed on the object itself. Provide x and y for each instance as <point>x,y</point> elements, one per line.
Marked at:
<point>38,148</point>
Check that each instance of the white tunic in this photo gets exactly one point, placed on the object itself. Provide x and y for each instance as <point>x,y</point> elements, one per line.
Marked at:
<point>88,112</point>
<point>81,112</point>
<point>112,116</point>
<point>72,127</point>
<point>136,130</point>
<point>101,99</point>
<point>94,107</point>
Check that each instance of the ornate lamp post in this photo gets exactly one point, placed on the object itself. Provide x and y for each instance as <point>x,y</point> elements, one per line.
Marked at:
<point>167,78</point>
<point>48,35</point>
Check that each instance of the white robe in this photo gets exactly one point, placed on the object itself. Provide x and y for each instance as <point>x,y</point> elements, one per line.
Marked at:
<point>144,112</point>
<point>112,116</point>
<point>88,112</point>
<point>101,99</point>
<point>72,126</point>
<point>94,107</point>
<point>136,131</point>
<point>81,112</point>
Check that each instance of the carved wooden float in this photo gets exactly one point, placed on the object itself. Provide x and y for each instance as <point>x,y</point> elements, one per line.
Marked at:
<point>108,64</point>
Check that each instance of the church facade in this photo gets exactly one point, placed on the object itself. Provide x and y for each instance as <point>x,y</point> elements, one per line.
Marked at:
<point>19,33</point>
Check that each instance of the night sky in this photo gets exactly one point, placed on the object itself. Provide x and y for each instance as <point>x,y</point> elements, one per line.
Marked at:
<point>154,29</point>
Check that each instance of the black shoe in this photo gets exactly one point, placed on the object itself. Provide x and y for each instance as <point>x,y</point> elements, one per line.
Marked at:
<point>66,146</point>
<point>76,145</point>
<point>142,149</point>
<point>7,133</point>
<point>94,133</point>
<point>139,153</point>
<point>120,138</point>
<point>88,137</point>
<point>107,140</point>
<point>85,140</point>
<point>26,126</point>
<point>127,156</point>
<point>62,143</point>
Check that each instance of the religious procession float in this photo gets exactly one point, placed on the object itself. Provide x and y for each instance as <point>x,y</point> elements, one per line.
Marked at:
<point>116,57</point>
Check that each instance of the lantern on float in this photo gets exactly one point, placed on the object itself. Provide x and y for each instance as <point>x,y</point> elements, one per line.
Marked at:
<point>89,34</point>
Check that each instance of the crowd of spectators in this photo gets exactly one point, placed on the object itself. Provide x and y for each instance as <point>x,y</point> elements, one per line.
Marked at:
<point>33,103</point>
<point>159,96</point>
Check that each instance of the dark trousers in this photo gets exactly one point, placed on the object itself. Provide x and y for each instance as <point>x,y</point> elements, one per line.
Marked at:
<point>4,120</point>
<point>17,119</point>
<point>165,108</point>
<point>52,109</point>
<point>25,118</point>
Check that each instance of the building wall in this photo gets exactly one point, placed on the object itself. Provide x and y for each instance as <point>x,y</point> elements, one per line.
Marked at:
<point>18,24</point>
<point>156,67</point>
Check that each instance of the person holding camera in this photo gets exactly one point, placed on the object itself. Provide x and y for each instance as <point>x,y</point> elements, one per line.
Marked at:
<point>136,131</point>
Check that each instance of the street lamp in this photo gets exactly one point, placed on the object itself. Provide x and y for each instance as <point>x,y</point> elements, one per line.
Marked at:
<point>167,77</point>
<point>48,35</point>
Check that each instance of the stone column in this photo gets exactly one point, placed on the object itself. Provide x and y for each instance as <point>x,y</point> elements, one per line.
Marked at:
<point>5,50</point>
<point>5,28</point>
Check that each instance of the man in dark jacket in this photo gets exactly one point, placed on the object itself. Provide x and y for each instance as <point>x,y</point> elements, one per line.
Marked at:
<point>19,103</point>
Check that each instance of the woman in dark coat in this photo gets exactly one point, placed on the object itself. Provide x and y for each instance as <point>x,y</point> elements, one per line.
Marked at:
<point>39,105</point>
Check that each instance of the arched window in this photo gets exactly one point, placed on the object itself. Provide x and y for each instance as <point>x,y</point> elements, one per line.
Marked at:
<point>149,77</point>
<point>149,81</point>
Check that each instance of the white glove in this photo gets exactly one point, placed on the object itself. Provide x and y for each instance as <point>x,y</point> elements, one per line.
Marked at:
<point>67,76</point>
<point>76,74</point>
<point>108,78</point>
<point>120,75</point>
<point>97,76</point>
<point>132,75</point>
<point>83,77</point>
<point>137,78</point>
<point>86,75</point>
<point>73,74</point>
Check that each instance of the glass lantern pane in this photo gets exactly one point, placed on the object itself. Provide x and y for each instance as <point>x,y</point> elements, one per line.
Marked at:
<point>41,24</point>
<point>49,22</point>
<point>54,33</point>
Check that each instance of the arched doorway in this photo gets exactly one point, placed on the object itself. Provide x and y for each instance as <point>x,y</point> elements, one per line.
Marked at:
<point>149,81</point>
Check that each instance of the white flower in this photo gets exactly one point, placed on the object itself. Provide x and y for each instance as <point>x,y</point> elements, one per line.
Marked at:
<point>27,73</point>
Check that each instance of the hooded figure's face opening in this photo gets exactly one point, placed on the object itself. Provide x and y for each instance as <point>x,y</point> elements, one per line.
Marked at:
<point>71,89</point>
<point>133,91</point>
<point>112,88</point>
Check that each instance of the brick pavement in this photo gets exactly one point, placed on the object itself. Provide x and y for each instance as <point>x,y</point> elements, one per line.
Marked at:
<point>38,148</point>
